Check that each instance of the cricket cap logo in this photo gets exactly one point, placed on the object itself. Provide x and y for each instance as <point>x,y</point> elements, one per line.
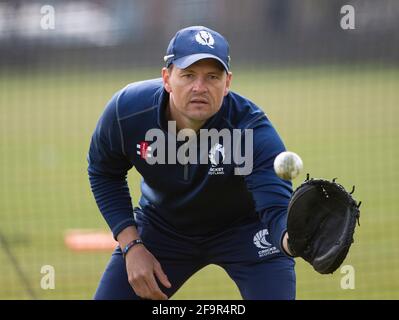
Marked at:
<point>216,153</point>
<point>205,38</point>
<point>260,239</point>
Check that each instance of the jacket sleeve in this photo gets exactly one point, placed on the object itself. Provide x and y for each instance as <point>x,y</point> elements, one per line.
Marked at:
<point>270,193</point>
<point>107,169</point>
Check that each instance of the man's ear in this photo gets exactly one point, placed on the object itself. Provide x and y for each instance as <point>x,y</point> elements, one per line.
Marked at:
<point>165,78</point>
<point>228,82</point>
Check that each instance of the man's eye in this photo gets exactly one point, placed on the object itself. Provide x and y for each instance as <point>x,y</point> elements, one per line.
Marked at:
<point>188,75</point>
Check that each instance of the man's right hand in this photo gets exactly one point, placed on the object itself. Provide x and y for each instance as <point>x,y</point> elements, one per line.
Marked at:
<point>142,270</point>
<point>142,267</point>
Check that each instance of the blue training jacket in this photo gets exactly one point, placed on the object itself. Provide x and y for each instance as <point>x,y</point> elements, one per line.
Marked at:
<point>192,199</point>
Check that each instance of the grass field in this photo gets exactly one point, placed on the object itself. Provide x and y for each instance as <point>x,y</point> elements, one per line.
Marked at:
<point>342,120</point>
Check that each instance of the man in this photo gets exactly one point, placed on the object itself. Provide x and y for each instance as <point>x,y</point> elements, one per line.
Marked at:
<point>192,212</point>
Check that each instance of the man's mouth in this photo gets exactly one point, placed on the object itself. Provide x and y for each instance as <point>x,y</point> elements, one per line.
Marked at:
<point>199,101</point>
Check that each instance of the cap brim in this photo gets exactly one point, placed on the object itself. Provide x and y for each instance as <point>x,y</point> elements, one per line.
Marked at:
<point>187,61</point>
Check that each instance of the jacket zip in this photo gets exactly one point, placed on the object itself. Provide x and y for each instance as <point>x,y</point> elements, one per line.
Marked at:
<point>186,167</point>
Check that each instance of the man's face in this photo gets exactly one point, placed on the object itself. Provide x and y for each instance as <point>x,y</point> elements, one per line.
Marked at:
<point>197,92</point>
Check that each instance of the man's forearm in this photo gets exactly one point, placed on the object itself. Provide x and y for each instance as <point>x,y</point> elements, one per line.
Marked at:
<point>113,199</point>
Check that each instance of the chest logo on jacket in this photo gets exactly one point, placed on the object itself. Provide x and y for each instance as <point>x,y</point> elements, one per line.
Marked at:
<point>144,150</point>
<point>216,157</point>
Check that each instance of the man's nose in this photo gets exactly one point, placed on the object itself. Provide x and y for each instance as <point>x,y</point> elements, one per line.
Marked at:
<point>199,85</point>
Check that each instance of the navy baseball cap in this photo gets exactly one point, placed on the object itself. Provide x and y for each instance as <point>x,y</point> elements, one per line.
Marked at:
<point>195,43</point>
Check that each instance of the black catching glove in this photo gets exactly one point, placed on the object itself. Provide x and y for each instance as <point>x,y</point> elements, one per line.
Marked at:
<point>321,222</point>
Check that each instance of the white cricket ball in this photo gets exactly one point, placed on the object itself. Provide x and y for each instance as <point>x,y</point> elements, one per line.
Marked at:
<point>288,165</point>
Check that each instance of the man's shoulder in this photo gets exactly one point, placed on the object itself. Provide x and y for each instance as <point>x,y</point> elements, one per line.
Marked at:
<point>138,97</point>
<point>242,112</point>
